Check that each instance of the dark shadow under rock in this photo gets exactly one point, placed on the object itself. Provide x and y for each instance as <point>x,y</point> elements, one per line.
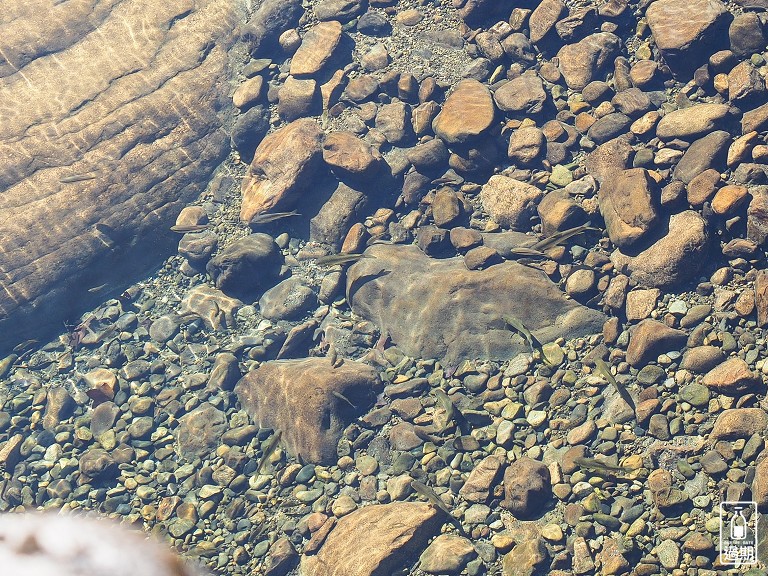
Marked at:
<point>439,309</point>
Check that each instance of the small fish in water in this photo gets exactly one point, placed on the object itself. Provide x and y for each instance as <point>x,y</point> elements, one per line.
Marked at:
<point>533,342</point>
<point>185,228</point>
<point>526,252</point>
<point>603,368</point>
<point>496,74</point>
<point>426,436</point>
<point>452,412</point>
<point>378,239</point>
<point>271,446</point>
<point>77,178</point>
<point>599,466</point>
<point>336,259</point>
<point>95,289</point>
<point>341,396</point>
<point>25,346</point>
<point>435,500</point>
<point>107,234</point>
<point>271,217</point>
<point>560,237</point>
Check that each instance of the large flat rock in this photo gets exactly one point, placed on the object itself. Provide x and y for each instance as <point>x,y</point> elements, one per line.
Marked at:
<point>375,541</point>
<point>310,401</point>
<point>438,309</point>
<point>112,117</point>
<point>686,31</point>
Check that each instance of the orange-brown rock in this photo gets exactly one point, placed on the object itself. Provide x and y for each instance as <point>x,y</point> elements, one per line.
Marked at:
<point>732,377</point>
<point>309,400</point>
<point>283,166</point>
<point>739,423</point>
<point>580,63</point>
<point>673,258</point>
<point>112,115</point>
<point>649,339</point>
<point>376,540</point>
<point>691,121</point>
<point>729,198</point>
<point>627,203</point>
<point>316,48</point>
<point>349,156</point>
<point>683,29</point>
<point>468,112</point>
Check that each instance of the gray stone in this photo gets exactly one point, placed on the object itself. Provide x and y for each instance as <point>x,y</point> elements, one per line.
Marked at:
<point>331,224</point>
<point>246,265</point>
<point>200,431</point>
<point>705,153</point>
<point>444,310</point>
<point>289,300</point>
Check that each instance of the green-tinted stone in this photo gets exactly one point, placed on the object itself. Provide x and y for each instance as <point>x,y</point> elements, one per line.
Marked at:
<point>607,520</point>
<point>695,394</point>
<point>651,374</point>
<point>561,176</point>
<point>179,527</point>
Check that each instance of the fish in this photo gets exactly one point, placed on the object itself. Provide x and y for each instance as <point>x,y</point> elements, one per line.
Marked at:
<point>496,74</point>
<point>25,346</point>
<point>107,234</point>
<point>559,237</point>
<point>77,178</point>
<point>335,259</point>
<point>266,218</point>
<point>452,411</point>
<point>378,239</point>
<point>602,367</point>
<point>271,446</point>
<point>426,436</point>
<point>436,501</point>
<point>341,396</point>
<point>526,252</point>
<point>95,289</point>
<point>185,228</point>
<point>533,342</point>
<point>594,464</point>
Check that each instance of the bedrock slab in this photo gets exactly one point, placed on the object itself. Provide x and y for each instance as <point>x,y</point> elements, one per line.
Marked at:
<point>112,122</point>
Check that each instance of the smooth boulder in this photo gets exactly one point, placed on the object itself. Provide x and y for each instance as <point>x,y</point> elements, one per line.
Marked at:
<point>438,309</point>
<point>310,401</point>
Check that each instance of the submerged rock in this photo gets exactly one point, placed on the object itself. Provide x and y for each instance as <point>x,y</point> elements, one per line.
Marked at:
<point>674,258</point>
<point>375,541</point>
<point>437,308</point>
<point>309,400</point>
<point>283,166</point>
<point>104,139</point>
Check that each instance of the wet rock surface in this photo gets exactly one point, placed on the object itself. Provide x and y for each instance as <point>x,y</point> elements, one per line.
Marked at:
<point>310,401</point>
<point>436,221</point>
<point>82,204</point>
<point>476,302</point>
